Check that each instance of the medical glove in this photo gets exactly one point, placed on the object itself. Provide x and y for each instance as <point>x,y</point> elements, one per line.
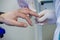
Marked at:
<point>47,16</point>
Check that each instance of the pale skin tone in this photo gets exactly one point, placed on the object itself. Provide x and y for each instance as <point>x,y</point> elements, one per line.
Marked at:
<point>10,18</point>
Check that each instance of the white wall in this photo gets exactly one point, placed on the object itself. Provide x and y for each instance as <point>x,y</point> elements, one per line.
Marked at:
<point>8,5</point>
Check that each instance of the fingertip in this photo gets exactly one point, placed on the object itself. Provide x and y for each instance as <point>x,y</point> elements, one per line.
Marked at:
<point>24,25</point>
<point>37,15</point>
<point>30,23</point>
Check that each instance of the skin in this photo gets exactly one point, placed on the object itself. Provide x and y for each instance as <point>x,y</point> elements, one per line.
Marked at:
<point>10,18</point>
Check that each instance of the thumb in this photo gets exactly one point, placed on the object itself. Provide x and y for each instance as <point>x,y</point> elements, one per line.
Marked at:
<point>43,15</point>
<point>43,18</point>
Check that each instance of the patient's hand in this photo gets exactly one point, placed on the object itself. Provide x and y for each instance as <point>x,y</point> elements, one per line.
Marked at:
<point>10,18</point>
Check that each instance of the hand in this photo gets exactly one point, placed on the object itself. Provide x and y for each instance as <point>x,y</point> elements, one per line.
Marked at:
<point>45,15</point>
<point>11,17</point>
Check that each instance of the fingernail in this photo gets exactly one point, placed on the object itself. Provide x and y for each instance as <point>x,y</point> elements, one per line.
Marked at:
<point>31,24</point>
<point>25,25</point>
<point>28,15</point>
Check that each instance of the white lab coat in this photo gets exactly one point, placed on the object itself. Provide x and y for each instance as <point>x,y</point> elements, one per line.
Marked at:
<point>57,10</point>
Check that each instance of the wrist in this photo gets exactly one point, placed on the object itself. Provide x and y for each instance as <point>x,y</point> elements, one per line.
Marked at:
<point>1,18</point>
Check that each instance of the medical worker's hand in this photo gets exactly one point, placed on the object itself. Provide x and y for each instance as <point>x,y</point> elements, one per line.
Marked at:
<point>11,17</point>
<point>46,15</point>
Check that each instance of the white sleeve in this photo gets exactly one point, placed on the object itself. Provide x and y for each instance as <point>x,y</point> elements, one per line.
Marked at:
<point>51,16</point>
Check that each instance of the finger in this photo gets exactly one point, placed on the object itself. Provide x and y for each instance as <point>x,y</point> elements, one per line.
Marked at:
<point>15,23</point>
<point>33,13</point>
<point>29,20</point>
<point>42,13</point>
<point>28,11</point>
<point>42,19</point>
<point>25,17</point>
<point>23,10</point>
